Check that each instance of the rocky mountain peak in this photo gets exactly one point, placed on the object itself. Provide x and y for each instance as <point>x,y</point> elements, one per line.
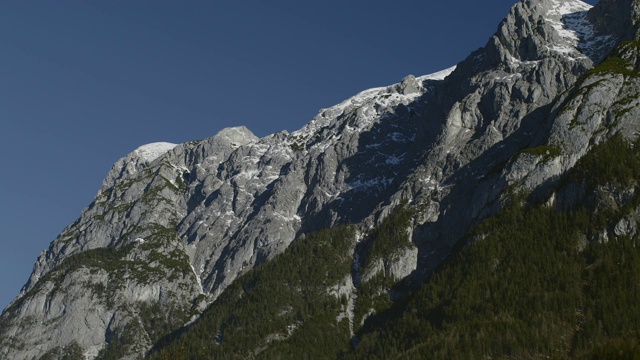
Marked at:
<point>152,151</point>
<point>239,135</point>
<point>538,29</point>
<point>135,161</point>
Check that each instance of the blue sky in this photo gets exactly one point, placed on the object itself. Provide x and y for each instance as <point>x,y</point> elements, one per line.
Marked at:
<point>83,83</point>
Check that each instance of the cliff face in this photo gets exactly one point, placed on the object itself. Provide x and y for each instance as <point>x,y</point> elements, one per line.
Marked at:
<point>174,225</point>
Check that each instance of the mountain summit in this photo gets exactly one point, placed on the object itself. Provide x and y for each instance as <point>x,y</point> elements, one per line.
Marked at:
<point>378,191</point>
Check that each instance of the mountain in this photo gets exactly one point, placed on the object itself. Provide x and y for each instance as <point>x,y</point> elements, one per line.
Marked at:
<point>361,233</point>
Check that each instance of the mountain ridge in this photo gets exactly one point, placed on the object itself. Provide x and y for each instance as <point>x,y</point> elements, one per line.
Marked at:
<point>183,226</point>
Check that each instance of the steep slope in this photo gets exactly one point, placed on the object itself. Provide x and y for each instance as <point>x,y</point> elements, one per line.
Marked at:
<point>173,226</point>
<point>532,285</point>
<point>529,285</point>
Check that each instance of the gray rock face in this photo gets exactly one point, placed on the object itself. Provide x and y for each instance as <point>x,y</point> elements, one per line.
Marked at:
<point>618,17</point>
<point>174,225</point>
<point>495,110</point>
<point>400,266</point>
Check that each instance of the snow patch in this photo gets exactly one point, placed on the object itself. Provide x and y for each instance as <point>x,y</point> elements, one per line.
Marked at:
<point>395,160</point>
<point>379,183</point>
<point>518,63</point>
<point>153,151</point>
<point>439,75</point>
<point>577,33</point>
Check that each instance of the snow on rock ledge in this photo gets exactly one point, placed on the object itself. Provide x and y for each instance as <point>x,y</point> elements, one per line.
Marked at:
<point>439,75</point>
<point>153,151</point>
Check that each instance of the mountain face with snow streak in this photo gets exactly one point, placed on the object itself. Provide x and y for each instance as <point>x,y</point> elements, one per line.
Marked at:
<point>173,226</point>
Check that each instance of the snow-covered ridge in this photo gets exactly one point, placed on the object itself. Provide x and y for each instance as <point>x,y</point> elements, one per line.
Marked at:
<point>386,96</point>
<point>369,94</point>
<point>439,75</point>
<point>153,151</point>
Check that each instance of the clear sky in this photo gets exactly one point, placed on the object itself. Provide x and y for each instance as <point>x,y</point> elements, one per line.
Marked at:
<point>83,83</point>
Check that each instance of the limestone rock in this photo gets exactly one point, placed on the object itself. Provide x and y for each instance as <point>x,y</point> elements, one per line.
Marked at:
<point>173,225</point>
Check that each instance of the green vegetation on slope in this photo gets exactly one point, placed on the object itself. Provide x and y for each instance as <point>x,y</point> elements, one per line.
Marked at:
<point>389,238</point>
<point>286,307</point>
<point>72,352</point>
<point>514,293</point>
<point>532,287</point>
<point>106,272</point>
<point>383,245</point>
<point>612,162</point>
